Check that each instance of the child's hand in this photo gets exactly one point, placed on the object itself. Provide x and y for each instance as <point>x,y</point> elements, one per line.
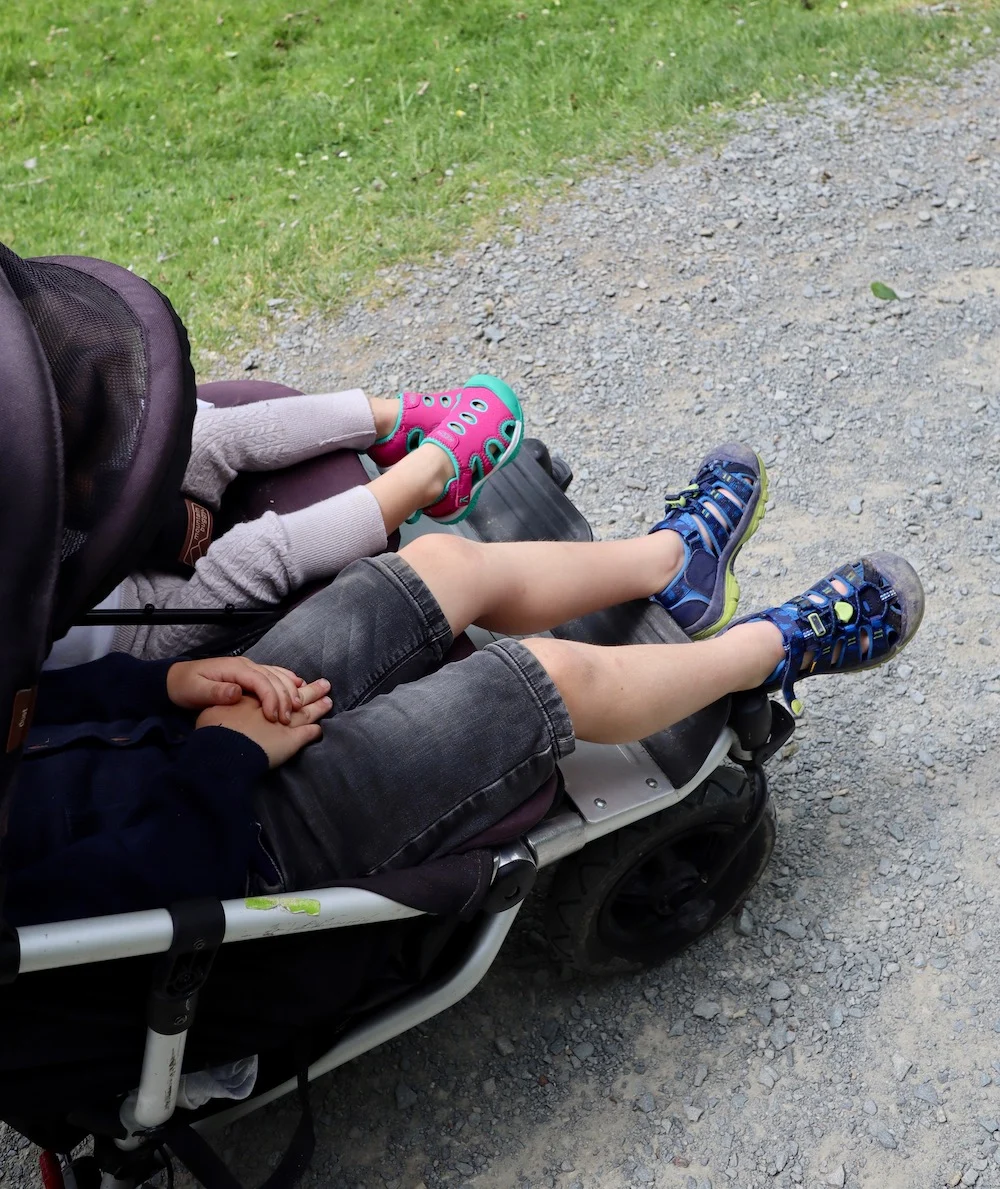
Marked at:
<point>223,680</point>
<point>278,740</point>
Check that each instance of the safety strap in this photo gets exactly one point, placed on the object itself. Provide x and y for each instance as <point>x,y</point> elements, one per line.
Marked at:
<point>204,1164</point>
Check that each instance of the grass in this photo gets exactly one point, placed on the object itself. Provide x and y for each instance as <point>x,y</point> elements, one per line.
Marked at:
<point>240,152</point>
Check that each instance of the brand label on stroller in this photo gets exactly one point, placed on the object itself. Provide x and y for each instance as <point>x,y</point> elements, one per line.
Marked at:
<point>20,717</point>
<point>199,534</point>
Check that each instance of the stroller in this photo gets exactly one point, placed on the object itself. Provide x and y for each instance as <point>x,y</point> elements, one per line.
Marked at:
<point>104,1020</point>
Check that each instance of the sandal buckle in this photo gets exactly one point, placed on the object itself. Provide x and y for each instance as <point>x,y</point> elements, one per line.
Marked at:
<point>816,624</point>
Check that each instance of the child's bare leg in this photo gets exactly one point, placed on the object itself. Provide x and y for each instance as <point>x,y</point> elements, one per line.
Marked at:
<point>616,695</point>
<point>531,586</point>
<point>612,694</point>
<point>413,483</point>
<point>385,413</point>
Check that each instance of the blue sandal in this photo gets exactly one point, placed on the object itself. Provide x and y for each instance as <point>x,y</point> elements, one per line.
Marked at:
<point>714,516</point>
<point>857,617</point>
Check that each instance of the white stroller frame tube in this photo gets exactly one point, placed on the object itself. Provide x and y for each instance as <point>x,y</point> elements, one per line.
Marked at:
<point>158,1086</point>
<point>198,929</point>
<point>606,787</point>
<point>160,1079</point>
<point>131,934</point>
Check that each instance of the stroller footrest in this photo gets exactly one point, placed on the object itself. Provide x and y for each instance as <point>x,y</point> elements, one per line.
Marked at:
<point>523,502</point>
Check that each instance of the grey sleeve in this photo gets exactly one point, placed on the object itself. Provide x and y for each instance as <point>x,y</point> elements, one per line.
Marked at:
<point>257,564</point>
<point>270,434</point>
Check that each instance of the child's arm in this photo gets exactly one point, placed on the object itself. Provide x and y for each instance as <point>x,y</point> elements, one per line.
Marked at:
<point>113,687</point>
<point>191,833</point>
<point>120,687</point>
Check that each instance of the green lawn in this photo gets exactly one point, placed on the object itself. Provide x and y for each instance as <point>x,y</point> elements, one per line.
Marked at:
<point>235,152</point>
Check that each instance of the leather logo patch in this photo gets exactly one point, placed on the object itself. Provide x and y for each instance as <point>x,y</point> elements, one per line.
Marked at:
<point>20,717</point>
<point>199,534</point>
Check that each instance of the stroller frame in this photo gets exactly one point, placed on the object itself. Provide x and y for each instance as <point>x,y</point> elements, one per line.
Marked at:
<point>606,789</point>
<point>631,787</point>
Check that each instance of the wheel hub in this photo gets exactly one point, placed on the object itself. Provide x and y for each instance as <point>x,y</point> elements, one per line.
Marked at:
<point>695,915</point>
<point>667,894</point>
<point>676,889</point>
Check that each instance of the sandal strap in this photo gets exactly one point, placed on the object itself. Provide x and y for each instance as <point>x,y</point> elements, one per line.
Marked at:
<point>859,627</point>
<point>714,501</point>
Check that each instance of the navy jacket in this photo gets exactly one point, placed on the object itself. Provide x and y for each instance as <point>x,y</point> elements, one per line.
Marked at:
<point>120,804</point>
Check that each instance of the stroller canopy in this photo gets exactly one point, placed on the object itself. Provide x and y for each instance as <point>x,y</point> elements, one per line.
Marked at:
<point>98,399</point>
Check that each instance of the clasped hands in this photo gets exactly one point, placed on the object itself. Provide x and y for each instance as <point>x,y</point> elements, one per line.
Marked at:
<point>272,706</point>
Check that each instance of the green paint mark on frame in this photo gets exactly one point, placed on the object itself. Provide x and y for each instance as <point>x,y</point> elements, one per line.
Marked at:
<point>288,903</point>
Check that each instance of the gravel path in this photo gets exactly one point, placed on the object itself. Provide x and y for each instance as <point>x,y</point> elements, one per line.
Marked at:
<point>849,1033</point>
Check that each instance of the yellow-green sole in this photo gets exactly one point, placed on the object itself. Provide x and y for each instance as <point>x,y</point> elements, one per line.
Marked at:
<point>732,602</point>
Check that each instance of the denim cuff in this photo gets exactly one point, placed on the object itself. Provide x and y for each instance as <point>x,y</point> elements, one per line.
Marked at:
<point>401,573</point>
<point>543,690</point>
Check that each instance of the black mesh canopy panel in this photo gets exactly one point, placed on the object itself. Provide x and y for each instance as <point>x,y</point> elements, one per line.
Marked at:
<point>94,347</point>
<point>97,399</point>
<point>119,362</point>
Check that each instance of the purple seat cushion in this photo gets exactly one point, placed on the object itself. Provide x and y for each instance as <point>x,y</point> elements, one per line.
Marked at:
<point>519,821</point>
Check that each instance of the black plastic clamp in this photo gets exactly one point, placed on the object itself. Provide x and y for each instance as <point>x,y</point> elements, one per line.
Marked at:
<point>750,718</point>
<point>515,875</point>
<point>762,726</point>
<point>782,729</point>
<point>10,953</point>
<point>199,929</point>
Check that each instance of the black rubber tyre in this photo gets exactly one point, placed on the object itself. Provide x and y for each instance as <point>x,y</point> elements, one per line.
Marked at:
<point>635,898</point>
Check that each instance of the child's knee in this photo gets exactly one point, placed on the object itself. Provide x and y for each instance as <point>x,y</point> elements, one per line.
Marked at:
<point>569,666</point>
<point>437,549</point>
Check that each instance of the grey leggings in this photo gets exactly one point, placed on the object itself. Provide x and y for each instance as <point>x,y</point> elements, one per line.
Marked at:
<point>259,563</point>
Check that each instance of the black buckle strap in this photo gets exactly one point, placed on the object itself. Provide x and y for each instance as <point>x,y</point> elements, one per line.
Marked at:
<point>207,1167</point>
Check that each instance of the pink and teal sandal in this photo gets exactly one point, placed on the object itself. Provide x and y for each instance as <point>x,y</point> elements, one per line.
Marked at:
<point>481,432</point>
<point>419,413</point>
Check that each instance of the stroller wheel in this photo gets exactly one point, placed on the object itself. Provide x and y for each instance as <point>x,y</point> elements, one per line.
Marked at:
<point>637,897</point>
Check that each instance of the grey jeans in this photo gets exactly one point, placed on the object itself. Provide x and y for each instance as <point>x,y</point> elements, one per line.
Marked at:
<point>415,758</point>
